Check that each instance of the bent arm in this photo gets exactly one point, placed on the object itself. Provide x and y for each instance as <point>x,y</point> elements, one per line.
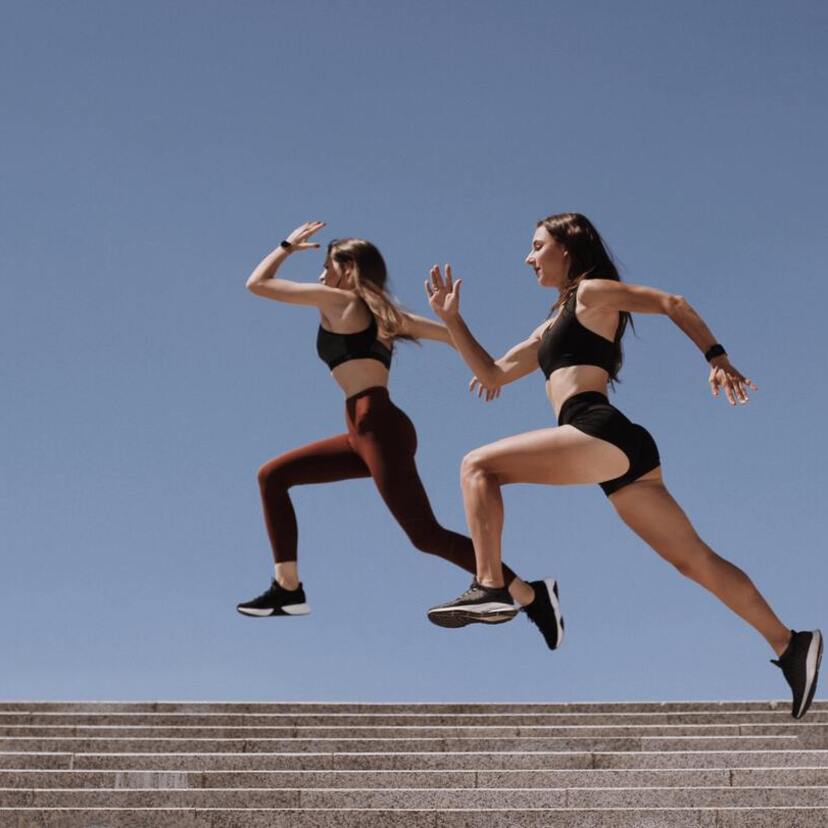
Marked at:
<point>604,293</point>
<point>517,362</point>
<point>264,282</point>
<point>618,296</point>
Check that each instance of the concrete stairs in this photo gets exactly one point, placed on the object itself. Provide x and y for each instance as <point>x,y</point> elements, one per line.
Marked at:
<point>203,765</point>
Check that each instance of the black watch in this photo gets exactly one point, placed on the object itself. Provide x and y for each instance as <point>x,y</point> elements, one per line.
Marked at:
<point>286,244</point>
<point>713,351</point>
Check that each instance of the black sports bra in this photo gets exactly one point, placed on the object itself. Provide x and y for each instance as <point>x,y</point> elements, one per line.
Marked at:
<point>336,348</point>
<point>567,342</point>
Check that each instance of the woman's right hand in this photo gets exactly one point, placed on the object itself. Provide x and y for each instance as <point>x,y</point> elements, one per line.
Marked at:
<point>443,295</point>
<point>298,239</point>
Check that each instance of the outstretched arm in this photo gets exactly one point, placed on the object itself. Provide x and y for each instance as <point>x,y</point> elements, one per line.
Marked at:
<point>618,296</point>
<point>421,328</point>
<point>444,298</point>
<point>264,282</point>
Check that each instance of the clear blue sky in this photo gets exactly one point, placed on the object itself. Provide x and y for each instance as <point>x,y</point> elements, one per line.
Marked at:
<point>152,153</point>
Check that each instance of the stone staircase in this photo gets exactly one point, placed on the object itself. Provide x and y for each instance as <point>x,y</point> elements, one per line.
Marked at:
<point>224,765</point>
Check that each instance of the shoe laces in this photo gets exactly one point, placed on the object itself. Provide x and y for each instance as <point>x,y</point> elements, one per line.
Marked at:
<point>475,586</point>
<point>271,590</point>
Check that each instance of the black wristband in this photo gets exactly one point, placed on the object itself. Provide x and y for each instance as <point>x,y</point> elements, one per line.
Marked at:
<point>286,244</point>
<point>713,351</point>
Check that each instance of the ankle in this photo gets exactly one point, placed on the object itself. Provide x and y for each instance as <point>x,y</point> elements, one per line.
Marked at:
<point>522,592</point>
<point>779,645</point>
<point>287,575</point>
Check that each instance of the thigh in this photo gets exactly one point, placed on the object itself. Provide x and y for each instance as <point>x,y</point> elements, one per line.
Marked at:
<point>561,455</point>
<point>323,461</point>
<point>653,514</point>
<point>388,454</point>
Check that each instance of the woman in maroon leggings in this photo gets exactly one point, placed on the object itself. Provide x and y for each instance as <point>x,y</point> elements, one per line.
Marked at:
<point>359,323</point>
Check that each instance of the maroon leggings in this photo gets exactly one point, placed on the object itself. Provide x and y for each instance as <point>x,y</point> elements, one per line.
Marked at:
<point>380,443</point>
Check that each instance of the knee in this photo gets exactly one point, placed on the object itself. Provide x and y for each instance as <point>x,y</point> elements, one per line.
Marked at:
<point>474,469</point>
<point>684,567</point>
<point>273,475</point>
<point>423,536</point>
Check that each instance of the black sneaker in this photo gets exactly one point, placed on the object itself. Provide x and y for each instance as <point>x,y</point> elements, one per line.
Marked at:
<point>800,666</point>
<point>277,601</point>
<point>478,604</point>
<point>545,612</point>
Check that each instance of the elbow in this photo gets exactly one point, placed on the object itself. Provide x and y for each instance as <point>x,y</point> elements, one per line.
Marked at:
<point>675,306</point>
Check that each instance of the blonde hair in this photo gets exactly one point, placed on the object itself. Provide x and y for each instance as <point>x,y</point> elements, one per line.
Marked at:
<point>370,276</point>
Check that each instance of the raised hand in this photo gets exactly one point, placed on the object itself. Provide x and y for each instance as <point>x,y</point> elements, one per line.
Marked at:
<point>491,393</point>
<point>443,294</point>
<point>735,384</point>
<point>298,239</point>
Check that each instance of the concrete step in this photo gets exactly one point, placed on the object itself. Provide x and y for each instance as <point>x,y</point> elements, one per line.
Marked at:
<point>200,765</point>
<point>395,745</point>
<point>275,719</point>
<point>174,780</point>
<point>808,817</point>
<point>397,708</point>
<point>814,732</point>
<point>417,798</point>
<point>504,760</point>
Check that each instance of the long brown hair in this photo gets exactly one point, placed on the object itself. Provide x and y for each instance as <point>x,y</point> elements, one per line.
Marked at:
<point>370,276</point>
<point>588,259</point>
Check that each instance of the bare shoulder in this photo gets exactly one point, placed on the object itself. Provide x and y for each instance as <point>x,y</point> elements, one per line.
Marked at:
<point>611,295</point>
<point>345,311</point>
<point>340,299</point>
<point>590,291</point>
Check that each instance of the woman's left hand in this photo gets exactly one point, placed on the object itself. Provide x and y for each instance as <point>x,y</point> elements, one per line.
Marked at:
<point>735,384</point>
<point>491,393</point>
<point>298,239</point>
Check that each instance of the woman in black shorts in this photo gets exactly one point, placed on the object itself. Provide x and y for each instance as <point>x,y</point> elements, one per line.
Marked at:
<point>579,351</point>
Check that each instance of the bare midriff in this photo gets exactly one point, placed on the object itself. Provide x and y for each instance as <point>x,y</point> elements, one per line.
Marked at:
<point>574,379</point>
<point>356,375</point>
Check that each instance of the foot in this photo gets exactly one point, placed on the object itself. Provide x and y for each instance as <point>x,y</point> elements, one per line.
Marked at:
<point>800,666</point>
<point>277,601</point>
<point>545,612</point>
<point>478,604</point>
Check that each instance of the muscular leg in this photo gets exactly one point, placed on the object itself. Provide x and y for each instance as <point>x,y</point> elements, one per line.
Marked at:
<point>551,455</point>
<point>650,511</point>
<point>324,461</point>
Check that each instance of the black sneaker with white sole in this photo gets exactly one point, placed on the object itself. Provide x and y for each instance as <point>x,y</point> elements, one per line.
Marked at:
<point>276,601</point>
<point>800,666</point>
<point>545,612</point>
<point>478,604</point>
